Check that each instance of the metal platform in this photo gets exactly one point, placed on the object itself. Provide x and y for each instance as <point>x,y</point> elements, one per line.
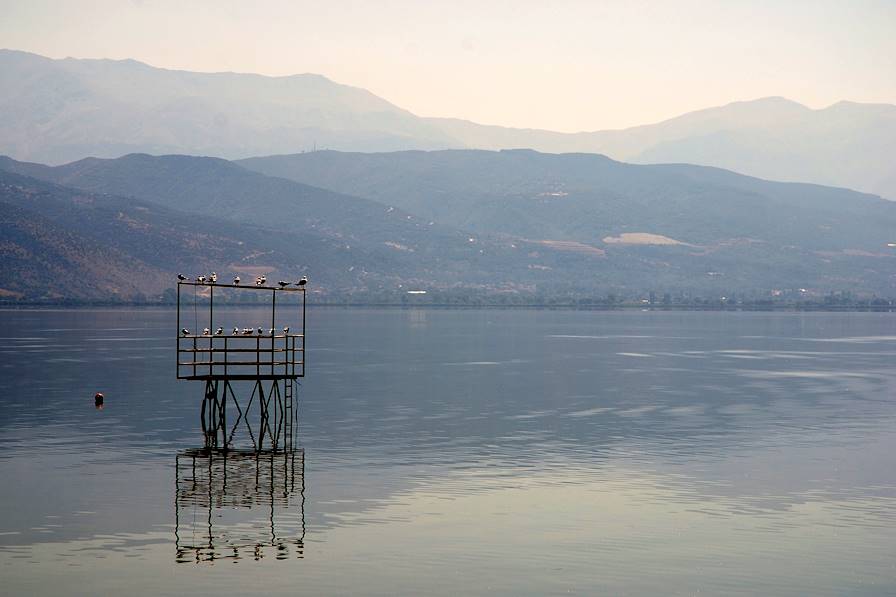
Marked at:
<point>253,356</point>
<point>273,362</point>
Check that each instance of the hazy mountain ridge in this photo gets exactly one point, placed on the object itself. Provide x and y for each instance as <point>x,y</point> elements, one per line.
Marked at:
<point>63,110</point>
<point>751,231</point>
<point>44,260</point>
<point>584,197</point>
<point>542,223</point>
<point>346,245</point>
<point>65,242</point>
<point>218,188</point>
<point>846,144</point>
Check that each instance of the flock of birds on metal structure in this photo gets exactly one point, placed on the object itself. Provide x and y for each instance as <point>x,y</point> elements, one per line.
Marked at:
<point>259,281</point>
<point>237,331</point>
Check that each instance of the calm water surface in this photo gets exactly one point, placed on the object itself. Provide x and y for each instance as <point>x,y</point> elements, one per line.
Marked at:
<point>444,452</point>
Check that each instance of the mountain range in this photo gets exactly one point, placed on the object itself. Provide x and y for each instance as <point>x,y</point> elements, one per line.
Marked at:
<point>57,111</point>
<point>119,229</point>
<point>515,221</point>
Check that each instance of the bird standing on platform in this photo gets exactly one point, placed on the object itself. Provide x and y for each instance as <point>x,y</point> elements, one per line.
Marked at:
<point>219,331</point>
<point>263,280</point>
<point>286,330</point>
<point>205,332</point>
<point>181,277</point>
<point>282,284</point>
<point>236,331</point>
<point>302,281</point>
<point>236,280</point>
<point>185,332</point>
<point>257,281</point>
<point>260,331</point>
<point>271,331</point>
<point>214,278</point>
<point>201,279</point>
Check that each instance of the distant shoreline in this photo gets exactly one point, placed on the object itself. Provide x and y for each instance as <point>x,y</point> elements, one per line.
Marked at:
<point>436,306</point>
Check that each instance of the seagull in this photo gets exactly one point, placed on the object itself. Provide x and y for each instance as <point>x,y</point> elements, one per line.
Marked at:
<point>257,281</point>
<point>303,281</point>
<point>185,332</point>
<point>205,332</point>
<point>247,331</point>
<point>214,278</point>
<point>260,331</point>
<point>283,284</point>
<point>286,330</point>
<point>201,279</point>
<point>263,280</point>
<point>181,277</point>
<point>236,331</point>
<point>219,331</point>
<point>271,331</point>
<point>236,280</point>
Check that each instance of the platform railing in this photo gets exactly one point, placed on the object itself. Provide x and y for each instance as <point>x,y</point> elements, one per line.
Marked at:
<point>281,356</point>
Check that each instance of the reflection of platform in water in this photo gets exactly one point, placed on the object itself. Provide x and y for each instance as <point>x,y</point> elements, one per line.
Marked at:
<point>235,504</point>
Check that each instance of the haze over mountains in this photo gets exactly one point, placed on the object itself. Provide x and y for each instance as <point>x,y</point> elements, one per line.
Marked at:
<point>460,220</point>
<point>120,229</point>
<point>63,110</point>
<point>449,219</point>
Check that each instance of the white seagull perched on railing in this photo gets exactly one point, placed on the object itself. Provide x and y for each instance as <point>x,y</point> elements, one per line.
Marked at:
<point>205,332</point>
<point>282,284</point>
<point>236,331</point>
<point>181,277</point>
<point>185,332</point>
<point>302,281</point>
<point>236,280</point>
<point>286,330</point>
<point>263,280</point>
<point>219,331</point>
<point>201,279</point>
<point>214,278</point>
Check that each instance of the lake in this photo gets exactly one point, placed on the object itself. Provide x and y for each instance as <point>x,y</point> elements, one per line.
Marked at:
<point>513,452</point>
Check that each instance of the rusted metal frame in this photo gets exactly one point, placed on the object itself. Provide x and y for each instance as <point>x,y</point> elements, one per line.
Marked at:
<point>279,418</point>
<point>263,414</point>
<point>221,350</point>
<point>243,363</point>
<point>239,415</point>
<point>238,377</point>
<point>242,287</point>
<point>178,330</point>
<point>223,419</point>
<point>273,326</point>
<point>303,331</point>
<point>248,424</point>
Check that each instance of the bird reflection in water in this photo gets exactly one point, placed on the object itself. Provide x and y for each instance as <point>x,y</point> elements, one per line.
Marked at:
<point>238,504</point>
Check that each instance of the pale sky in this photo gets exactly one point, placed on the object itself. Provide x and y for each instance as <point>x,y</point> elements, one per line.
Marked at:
<point>563,65</point>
